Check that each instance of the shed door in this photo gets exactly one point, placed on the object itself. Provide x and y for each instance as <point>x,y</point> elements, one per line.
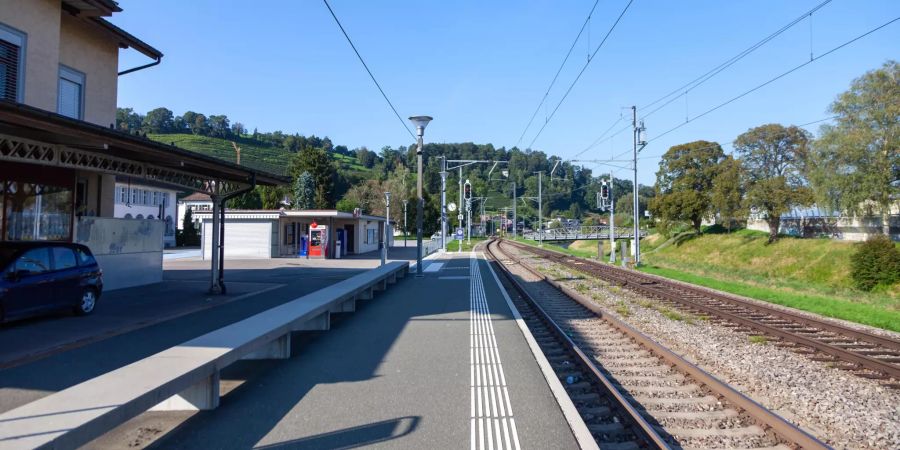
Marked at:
<point>243,240</point>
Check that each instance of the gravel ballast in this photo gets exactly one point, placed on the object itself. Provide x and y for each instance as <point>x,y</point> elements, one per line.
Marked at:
<point>839,408</point>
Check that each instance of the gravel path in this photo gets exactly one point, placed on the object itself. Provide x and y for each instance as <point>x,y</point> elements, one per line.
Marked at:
<point>842,410</point>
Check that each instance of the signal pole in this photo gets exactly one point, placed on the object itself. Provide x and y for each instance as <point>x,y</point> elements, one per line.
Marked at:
<point>612,222</point>
<point>540,211</point>
<point>515,220</point>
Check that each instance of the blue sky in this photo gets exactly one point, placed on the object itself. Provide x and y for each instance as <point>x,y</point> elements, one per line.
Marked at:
<point>481,67</point>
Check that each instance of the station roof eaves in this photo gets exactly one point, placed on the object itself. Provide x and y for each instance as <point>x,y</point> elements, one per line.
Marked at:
<point>17,119</point>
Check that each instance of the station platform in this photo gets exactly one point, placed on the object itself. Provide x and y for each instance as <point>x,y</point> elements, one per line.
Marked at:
<point>434,362</point>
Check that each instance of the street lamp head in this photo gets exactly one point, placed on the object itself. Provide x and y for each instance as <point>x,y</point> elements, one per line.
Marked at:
<point>420,122</point>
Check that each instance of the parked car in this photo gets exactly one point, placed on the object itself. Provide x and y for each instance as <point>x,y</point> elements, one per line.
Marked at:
<point>41,277</point>
<point>436,236</point>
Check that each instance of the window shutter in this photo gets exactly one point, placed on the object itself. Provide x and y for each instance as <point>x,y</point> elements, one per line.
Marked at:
<point>9,70</point>
<point>69,98</point>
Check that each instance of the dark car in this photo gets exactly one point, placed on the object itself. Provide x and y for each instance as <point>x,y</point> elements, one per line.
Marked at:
<point>40,277</point>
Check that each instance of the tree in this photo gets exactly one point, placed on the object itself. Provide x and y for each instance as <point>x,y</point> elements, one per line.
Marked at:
<point>304,191</point>
<point>190,119</point>
<point>684,182</point>
<point>189,234</point>
<point>271,196</point>
<point>219,126</point>
<point>772,157</point>
<point>855,164</point>
<point>200,126</point>
<point>728,192</point>
<point>238,129</point>
<point>127,120</point>
<point>247,200</point>
<point>159,120</point>
<point>318,163</point>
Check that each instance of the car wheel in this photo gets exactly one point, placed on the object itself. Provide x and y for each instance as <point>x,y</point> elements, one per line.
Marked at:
<point>87,303</point>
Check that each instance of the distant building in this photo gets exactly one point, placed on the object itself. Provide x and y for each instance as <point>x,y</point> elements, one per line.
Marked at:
<point>147,201</point>
<point>817,222</point>
<point>195,202</point>
<point>264,234</point>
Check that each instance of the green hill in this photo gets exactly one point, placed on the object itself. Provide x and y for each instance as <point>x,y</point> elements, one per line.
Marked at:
<point>809,274</point>
<point>255,154</point>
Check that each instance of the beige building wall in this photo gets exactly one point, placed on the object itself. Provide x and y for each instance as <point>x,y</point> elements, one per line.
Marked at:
<point>90,51</point>
<point>39,20</point>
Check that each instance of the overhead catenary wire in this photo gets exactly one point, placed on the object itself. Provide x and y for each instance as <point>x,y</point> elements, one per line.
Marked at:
<point>693,84</point>
<point>558,71</point>
<point>403,122</point>
<point>580,73</point>
<point>776,78</point>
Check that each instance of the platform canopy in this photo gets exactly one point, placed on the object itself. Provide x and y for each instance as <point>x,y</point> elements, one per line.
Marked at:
<point>34,136</point>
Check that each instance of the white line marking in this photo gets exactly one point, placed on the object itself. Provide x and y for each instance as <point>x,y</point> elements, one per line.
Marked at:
<point>491,405</point>
<point>433,267</point>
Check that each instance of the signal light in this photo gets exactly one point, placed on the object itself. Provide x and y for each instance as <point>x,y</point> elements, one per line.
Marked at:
<point>604,191</point>
<point>467,190</point>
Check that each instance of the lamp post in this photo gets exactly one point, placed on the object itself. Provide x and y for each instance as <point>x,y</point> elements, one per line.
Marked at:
<point>387,224</point>
<point>405,229</point>
<point>443,203</point>
<point>420,122</point>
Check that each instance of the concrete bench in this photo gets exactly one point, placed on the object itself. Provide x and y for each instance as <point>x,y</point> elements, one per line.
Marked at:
<point>185,377</point>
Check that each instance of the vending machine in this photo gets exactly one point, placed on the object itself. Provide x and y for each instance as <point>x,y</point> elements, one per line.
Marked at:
<point>318,240</point>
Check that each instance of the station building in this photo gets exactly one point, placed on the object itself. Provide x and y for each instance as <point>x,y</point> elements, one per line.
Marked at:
<point>61,157</point>
<point>264,234</point>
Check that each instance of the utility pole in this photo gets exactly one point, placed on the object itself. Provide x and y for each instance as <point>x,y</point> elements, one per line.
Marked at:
<point>638,140</point>
<point>515,220</point>
<point>540,210</point>
<point>443,203</point>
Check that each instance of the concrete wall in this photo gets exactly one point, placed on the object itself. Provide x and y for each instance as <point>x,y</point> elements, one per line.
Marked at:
<point>844,228</point>
<point>40,21</point>
<point>85,49</point>
<point>129,251</point>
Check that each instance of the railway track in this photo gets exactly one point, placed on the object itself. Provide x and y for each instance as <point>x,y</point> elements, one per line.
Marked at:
<point>631,391</point>
<point>864,354</point>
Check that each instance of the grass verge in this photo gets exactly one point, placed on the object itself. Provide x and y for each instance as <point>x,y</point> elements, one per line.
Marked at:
<point>827,306</point>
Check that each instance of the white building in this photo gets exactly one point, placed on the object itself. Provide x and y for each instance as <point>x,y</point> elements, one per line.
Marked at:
<point>255,234</point>
<point>196,202</point>
<point>147,201</point>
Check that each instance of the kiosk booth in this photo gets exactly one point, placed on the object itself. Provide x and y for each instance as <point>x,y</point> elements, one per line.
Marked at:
<point>318,240</point>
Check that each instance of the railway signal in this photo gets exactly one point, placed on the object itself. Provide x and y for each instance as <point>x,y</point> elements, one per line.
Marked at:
<point>467,190</point>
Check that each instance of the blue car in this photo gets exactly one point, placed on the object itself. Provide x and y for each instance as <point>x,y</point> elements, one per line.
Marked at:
<point>42,277</point>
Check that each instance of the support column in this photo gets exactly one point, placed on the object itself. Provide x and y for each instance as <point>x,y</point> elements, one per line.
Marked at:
<point>214,246</point>
<point>201,396</point>
<point>280,348</point>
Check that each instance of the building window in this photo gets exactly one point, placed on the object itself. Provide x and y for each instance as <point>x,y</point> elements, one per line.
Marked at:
<point>155,198</point>
<point>38,212</point>
<point>12,62</point>
<point>146,197</point>
<point>71,93</point>
<point>123,195</point>
<point>134,196</point>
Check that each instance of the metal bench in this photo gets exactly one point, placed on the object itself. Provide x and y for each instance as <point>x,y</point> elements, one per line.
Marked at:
<point>185,377</point>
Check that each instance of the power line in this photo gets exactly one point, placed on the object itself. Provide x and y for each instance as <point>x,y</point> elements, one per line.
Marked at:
<point>405,125</point>
<point>772,80</point>
<point>684,89</point>
<point>596,141</point>
<point>586,64</point>
<point>687,87</point>
<point>536,110</point>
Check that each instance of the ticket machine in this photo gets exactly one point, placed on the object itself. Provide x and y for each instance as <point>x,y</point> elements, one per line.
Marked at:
<point>318,240</point>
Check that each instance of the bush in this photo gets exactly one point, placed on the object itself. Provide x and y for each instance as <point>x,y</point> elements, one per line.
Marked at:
<point>875,263</point>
